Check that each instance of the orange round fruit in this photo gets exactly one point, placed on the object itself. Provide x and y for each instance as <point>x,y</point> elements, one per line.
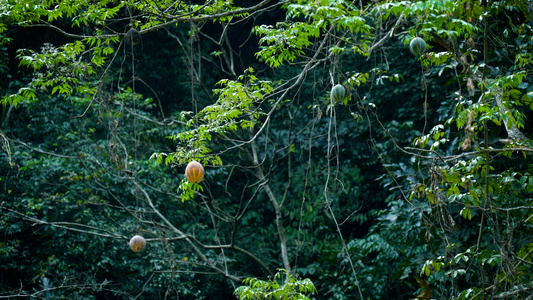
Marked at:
<point>194,172</point>
<point>137,243</point>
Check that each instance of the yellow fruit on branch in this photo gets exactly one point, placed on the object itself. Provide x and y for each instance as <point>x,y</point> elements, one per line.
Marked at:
<point>194,172</point>
<point>137,243</point>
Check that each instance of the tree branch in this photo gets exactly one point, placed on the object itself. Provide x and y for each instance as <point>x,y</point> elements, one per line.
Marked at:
<point>175,19</point>
<point>67,225</point>
<point>185,237</point>
<point>44,152</point>
<point>387,36</point>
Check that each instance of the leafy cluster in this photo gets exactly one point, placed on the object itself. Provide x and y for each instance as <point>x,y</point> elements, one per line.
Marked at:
<point>290,288</point>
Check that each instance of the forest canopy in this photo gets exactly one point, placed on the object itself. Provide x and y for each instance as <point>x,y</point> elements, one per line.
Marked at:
<point>325,149</point>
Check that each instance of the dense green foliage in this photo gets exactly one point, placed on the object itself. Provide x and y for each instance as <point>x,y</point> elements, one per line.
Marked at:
<point>280,287</point>
<point>417,181</point>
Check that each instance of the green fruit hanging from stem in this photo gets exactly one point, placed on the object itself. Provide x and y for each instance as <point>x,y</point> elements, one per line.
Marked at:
<point>338,93</point>
<point>417,46</point>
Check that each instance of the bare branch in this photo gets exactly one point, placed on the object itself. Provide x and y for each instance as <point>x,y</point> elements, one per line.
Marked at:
<point>387,36</point>
<point>195,249</point>
<point>44,152</point>
<point>82,228</point>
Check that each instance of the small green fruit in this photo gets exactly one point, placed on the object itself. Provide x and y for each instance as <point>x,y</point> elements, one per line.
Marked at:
<point>338,93</point>
<point>417,46</point>
<point>133,37</point>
